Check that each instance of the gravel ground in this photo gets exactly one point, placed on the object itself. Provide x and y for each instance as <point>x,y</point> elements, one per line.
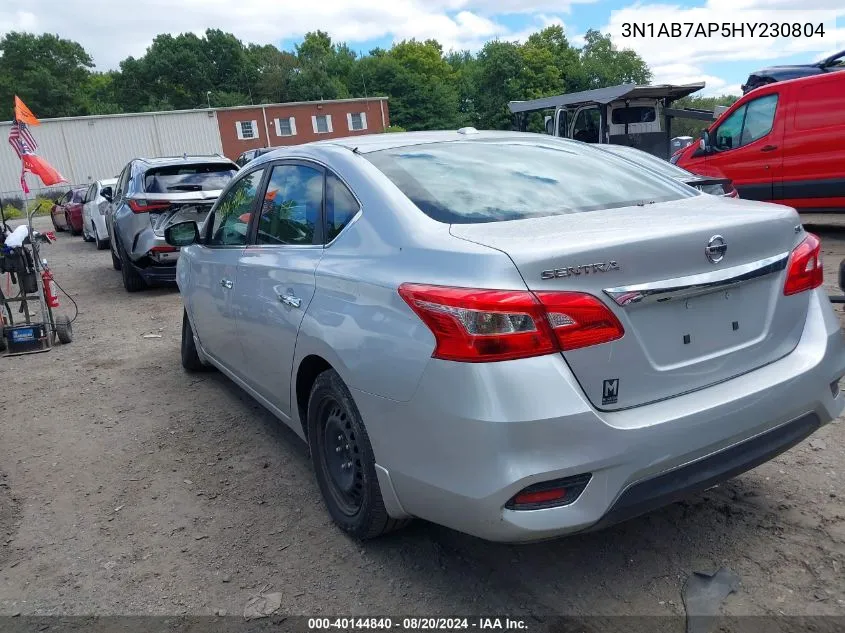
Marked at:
<point>128,486</point>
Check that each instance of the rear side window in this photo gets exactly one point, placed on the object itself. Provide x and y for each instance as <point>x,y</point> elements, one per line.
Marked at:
<point>483,181</point>
<point>341,206</point>
<point>192,177</point>
<point>633,114</point>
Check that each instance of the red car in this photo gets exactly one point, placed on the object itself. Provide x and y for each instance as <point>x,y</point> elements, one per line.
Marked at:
<point>783,142</point>
<point>67,212</point>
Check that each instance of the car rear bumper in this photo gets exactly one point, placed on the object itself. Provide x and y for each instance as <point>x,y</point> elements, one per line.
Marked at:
<point>473,436</point>
<point>154,275</point>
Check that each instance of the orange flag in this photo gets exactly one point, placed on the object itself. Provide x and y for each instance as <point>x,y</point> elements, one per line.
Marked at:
<point>24,114</point>
<point>41,168</point>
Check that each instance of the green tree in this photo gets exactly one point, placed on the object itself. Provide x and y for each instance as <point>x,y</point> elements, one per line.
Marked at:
<point>602,64</point>
<point>100,94</point>
<point>319,62</point>
<point>47,72</point>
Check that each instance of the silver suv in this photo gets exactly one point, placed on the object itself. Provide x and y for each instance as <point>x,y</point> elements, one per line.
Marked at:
<point>150,194</point>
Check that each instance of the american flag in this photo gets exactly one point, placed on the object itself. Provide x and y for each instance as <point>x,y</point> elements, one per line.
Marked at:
<point>21,139</point>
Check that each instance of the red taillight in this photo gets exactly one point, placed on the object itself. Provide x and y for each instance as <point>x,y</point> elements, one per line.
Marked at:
<point>804,270</point>
<point>478,325</point>
<point>730,191</point>
<point>579,320</point>
<point>163,249</point>
<point>142,206</point>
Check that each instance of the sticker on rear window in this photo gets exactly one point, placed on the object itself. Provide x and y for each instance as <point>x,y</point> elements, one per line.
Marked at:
<point>610,391</point>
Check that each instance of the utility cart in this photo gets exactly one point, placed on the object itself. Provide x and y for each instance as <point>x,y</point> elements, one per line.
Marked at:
<point>28,314</point>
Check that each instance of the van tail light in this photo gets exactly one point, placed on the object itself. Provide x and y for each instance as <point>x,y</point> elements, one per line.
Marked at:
<point>804,270</point>
<point>479,325</point>
<point>143,206</point>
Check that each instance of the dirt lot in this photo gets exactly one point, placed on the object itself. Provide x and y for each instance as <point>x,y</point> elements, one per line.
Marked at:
<point>130,487</point>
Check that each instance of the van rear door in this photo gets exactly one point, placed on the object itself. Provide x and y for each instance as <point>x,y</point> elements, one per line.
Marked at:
<point>748,143</point>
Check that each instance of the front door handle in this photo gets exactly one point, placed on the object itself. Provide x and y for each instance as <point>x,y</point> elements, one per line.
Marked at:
<point>226,283</point>
<point>769,148</point>
<point>290,300</point>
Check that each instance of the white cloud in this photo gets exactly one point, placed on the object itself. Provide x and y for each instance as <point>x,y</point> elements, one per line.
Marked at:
<point>111,30</point>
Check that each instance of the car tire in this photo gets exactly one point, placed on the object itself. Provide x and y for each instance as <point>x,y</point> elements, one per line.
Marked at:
<point>64,329</point>
<point>190,357</point>
<point>132,280</point>
<point>115,260</point>
<point>70,228</point>
<point>347,477</point>
<point>86,236</point>
<point>99,243</point>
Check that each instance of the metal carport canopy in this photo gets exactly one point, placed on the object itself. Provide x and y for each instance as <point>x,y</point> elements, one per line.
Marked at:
<point>606,95</point>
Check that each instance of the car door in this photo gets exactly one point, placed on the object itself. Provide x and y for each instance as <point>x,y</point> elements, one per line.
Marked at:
<point>747,147</point>
<point>213,271</point>
<point>276,276</point>
<point>59,215</point>
<point>88,207</point>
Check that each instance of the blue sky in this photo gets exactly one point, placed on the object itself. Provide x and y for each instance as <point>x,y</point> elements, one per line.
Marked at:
<point>115,29</point>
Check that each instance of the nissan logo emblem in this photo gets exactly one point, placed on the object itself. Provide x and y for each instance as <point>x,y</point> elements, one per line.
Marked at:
<point>716,249</point>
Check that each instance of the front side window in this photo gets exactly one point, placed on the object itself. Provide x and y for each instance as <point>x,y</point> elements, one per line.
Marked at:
<point>230,218</point>
<point>746,124</point>
<point>587,126</point>
<point>291,207</point>
<point>341,206</point>
<point>493,181</point>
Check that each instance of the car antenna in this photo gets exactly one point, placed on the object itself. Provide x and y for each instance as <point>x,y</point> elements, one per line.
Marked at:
<point>355,150</point>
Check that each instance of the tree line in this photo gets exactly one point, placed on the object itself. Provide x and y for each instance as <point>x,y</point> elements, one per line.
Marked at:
<point>428,87</point>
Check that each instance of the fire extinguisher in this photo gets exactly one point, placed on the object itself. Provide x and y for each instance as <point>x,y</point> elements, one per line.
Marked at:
<point>50,295</point>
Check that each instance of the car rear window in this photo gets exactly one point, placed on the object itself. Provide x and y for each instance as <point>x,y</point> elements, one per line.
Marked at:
<point>468,182</point>
<point>633,114</point>
<point>647,160</point>
<point>193,177</point>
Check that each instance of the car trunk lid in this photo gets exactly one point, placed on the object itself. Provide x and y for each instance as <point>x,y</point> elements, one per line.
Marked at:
<point>689,322</point>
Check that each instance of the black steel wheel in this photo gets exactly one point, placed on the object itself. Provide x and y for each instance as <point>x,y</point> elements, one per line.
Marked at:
<point>191,360</point>
<point>343,460</point>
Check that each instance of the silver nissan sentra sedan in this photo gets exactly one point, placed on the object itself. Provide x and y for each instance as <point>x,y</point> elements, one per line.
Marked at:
<point>512,335</point>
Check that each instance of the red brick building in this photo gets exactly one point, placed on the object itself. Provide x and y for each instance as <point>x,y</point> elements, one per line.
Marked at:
<point>273,125</point>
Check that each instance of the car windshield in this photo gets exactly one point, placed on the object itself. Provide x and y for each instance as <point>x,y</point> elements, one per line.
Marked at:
<point>469,182</point>
<point>194,177</point>
<point>647,160</point>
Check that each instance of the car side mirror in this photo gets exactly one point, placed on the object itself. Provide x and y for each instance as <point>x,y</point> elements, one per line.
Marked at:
<point>107,193</point>
<point>550,125</point>
<point>705,144</point>
<point>182,234</point>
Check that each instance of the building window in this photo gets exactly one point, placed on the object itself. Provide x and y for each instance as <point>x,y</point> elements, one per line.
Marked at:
<point>247,129</point>
<point>286,126</point>
<point>356,121</point>
<point>322,123</point>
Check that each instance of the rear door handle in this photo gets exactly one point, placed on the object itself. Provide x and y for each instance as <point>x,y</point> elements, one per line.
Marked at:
<point>290,300</point>
<point>226,283</point>
<point>769,148</point>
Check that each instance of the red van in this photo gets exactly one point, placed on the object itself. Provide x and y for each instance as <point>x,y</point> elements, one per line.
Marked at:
<point>784,143</point>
